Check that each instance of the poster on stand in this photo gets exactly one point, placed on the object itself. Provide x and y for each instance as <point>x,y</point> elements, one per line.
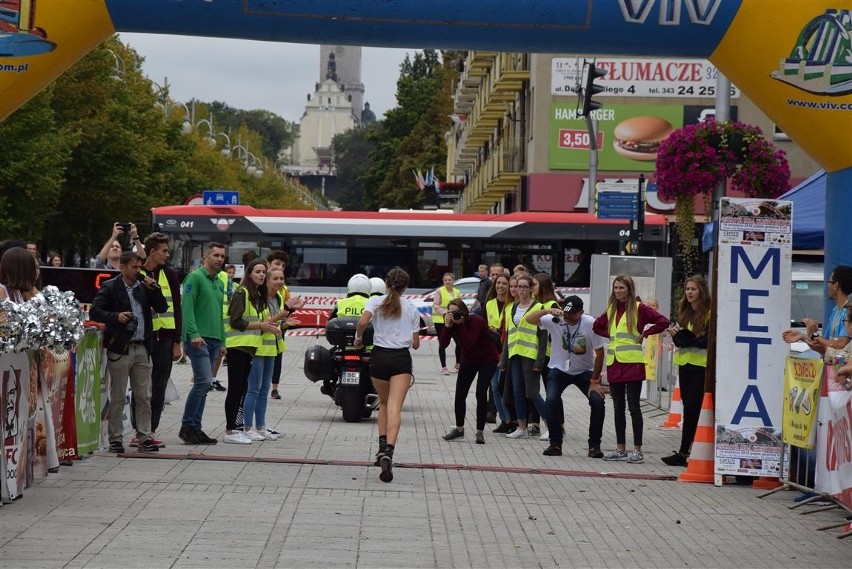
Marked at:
<point>801,399</point>
<point>14,399</point>
<point>88,393</point>
<point>754,272</point>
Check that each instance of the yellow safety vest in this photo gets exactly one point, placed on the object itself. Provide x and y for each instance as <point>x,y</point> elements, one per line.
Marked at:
<point>693,356</point>
<point>351,305</point>
<point>282,299</point>
<point>268,342</point>
<point>549,305</point>
<point>446,297</point>
<point>164,320</point>
<point>223,276</point>
<point>625,346</point>
<point>247,338</point>
<point>493,315</point>
<point>522,340</point>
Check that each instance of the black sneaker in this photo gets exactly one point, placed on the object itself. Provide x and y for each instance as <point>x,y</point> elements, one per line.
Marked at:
<point>218,386</point>
<point>188,435</point>
<point>595,453</point>
<point>479,438</point>
<point>453,434</point>
<point>677,459</point>
<point>275,394</point>
<point>503,428</point>
<point>490,417</point>
<point>202,438</point>
<point>553,451</point>
<point>386,464</point>
<point>148,446</point>
<point>116,447</point>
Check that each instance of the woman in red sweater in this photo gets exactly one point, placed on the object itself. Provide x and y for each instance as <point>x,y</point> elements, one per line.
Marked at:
<point>479,355</point>
<point>626,322</point>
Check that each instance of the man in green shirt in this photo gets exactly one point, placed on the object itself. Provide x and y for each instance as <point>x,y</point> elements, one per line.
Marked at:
<point>203,335</point>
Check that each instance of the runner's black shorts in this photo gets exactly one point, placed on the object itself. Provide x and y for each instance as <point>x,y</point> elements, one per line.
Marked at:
<point>388,362</point>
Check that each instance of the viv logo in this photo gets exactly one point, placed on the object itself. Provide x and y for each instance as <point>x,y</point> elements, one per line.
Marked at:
<point>670,11</point>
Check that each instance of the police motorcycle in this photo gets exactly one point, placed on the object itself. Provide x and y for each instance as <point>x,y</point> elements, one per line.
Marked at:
<point>343,370</point>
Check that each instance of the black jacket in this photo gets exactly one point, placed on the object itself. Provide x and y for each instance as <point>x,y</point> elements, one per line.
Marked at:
<point>111,299</point>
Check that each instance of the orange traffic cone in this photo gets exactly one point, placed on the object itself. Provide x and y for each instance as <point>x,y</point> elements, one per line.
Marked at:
<point>766,483</point>
<point>700,466</point>
<point>675,409</point>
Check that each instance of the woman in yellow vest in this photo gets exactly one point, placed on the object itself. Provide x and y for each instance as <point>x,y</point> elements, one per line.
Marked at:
<point>622,321</point>
<point>443,295</point>
<point>496,304</point>
<point>243,335</point>
<point>523,341</point>
<point>544,293</point>
<point>280,311</point>
<point>689,334</point>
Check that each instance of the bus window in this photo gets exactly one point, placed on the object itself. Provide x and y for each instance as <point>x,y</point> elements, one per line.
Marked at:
<point>318,266</point>
<point>378,262</point>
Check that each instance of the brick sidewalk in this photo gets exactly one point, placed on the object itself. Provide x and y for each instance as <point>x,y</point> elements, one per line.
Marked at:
<point>253,511</point>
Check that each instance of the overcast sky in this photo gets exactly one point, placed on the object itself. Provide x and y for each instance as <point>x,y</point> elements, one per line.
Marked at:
<point>256,75</point>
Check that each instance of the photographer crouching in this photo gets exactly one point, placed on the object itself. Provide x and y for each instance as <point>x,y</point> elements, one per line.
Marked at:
<point>124,305</point>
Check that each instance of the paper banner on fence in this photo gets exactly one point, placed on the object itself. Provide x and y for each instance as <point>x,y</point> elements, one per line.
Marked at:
<point>834,440</point>
<point>801,399</point>
<point>55,372</point>
<point>88,394</point>
<point>15,379</point>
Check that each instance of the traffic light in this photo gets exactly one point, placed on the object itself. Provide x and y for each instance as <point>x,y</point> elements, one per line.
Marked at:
<point>591,89</point>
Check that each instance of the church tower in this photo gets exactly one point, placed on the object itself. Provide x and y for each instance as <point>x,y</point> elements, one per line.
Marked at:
<point>347,63</point>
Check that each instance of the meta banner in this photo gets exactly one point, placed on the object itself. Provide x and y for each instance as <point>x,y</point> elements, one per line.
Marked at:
<point>755,265</point>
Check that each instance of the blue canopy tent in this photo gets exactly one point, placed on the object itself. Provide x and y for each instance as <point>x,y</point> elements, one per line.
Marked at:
<point>808,212</point>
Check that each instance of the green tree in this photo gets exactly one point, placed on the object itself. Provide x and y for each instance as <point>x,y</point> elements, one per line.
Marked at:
<point>352,158</point>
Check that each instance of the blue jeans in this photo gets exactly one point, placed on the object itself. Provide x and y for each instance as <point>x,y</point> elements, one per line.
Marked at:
<point>502,411</point>
<point>525,384</point>
<point>202,360</point>
<point>557,381</point>
<point>257,393</point>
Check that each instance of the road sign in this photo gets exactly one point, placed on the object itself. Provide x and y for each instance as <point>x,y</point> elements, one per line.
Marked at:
<point>220,197</point>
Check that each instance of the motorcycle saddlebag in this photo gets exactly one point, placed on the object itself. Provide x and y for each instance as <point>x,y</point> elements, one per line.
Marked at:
<point>318,364</point>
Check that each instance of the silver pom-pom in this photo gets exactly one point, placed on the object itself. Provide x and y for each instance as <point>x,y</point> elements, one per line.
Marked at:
<point>51,319</point>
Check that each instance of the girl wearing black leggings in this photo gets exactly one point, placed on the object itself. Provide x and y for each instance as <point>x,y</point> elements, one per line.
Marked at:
<point>479,358</point>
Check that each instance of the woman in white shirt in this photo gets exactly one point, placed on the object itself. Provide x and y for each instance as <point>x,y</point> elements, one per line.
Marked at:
<point>396,329</point>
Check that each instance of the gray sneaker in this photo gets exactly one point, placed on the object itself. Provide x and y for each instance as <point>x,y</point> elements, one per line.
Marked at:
<point>616,455</point>
<point>636,457</point>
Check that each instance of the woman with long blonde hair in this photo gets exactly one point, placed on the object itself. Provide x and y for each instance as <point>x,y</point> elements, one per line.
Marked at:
<point>396,329</point>
<point>626,322</point>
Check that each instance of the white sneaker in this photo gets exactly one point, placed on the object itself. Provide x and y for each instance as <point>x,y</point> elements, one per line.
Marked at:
<point>545,435</point>
<point>254,435</point>
<point>518,434</point>
<point>236,438</point>
<point>269,434</point>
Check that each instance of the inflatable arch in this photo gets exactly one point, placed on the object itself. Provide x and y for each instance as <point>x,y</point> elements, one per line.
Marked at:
<point>793,58</point>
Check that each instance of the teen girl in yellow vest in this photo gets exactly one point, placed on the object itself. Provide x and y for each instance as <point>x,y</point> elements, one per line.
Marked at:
<point>543,293</point>
<point>443,295</point>
<point>520,351</point>
<point>621,323</point>
<point>690,336</point>
<point>497,303</point>
<point>243,337</point>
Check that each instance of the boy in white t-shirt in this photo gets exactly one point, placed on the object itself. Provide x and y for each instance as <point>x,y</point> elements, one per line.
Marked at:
<point>576,358</point>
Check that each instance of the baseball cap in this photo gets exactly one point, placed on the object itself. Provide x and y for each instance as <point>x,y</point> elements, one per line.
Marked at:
<point>572,304</point>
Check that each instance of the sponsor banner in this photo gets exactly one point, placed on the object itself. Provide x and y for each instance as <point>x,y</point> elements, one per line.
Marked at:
<point>55,369</point>
<point>834,440</point>
<point>753,299</point>
<point>627,77</point>
<point>14,400</point>
<point>801,399</point>
<point>87,401</point>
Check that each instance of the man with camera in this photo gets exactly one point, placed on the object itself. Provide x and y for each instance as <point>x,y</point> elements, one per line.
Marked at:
<point>110,253</point>
<point>576,358</point>
<point>125,304</point>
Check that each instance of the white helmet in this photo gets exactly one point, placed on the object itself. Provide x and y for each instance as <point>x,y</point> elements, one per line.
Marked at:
<point>377,286</point>
<point>358,284</point>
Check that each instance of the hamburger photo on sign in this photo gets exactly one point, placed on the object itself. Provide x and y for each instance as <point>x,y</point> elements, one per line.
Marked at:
<point>639,138</point>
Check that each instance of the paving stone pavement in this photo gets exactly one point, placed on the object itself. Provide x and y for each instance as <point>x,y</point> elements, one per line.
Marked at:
<point>111,512</point>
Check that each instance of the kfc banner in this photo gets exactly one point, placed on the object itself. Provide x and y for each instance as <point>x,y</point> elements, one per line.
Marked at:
<point>15,383</point>
<point>754,271</point>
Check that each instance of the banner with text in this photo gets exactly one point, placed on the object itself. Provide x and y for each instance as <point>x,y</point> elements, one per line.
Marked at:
<point>15,402</point>
<point>88,393</point>
<point>755,265</point>
<point>801,399</point>
<point>834,440</point>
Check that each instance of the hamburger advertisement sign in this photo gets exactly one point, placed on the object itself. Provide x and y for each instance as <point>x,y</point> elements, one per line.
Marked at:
<point>628,136</point>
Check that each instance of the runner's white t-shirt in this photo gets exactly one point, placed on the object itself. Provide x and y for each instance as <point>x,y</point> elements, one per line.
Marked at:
<point>563,336</point>
<point>393,333</point>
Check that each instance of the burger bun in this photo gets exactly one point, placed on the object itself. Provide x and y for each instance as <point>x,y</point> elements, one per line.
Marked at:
<point>638,138</point>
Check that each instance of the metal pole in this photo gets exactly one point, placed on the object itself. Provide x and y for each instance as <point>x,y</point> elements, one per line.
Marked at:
<point>723,114</point>
<point>592,127</point>
<point>639,223</point>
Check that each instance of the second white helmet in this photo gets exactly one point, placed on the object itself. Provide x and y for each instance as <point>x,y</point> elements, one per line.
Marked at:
<point>358,284</point>
<point>377,286</point>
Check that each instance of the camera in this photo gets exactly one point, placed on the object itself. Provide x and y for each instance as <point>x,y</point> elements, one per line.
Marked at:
<point>131,325</point>
<point>125,226</point>
<point>557,319</point>
<point>457,316</point>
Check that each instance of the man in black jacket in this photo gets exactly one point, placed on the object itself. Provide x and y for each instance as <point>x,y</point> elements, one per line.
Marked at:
<point>124,304</point>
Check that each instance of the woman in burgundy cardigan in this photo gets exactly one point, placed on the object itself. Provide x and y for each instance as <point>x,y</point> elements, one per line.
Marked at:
<point>479,359</point>
<point>632,321</point>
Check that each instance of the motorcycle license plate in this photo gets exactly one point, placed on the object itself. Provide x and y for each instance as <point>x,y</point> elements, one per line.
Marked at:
<point>351,378</point>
